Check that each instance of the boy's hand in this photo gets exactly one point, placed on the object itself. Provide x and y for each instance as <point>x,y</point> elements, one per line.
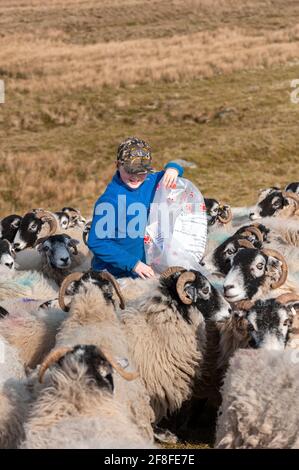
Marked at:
<point>143,270</point>
<point>170,177</point>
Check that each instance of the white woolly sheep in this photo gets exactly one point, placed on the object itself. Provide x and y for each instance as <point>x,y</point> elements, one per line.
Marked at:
<point>78,408</point>
<point>29,284</point>
<point>92,320</point>
<point>14,396</point>
<point>165,330</point>
<point>260,401</point>
<point>29,329</point>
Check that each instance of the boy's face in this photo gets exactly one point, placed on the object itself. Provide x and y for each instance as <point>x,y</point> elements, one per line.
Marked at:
<point>131,180</point>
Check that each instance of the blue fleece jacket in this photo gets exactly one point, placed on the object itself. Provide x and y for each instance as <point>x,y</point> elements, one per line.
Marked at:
<point>116,236</point>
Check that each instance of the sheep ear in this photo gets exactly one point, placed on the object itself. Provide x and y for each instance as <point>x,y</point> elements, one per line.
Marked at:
<point>72,242</point>
<point>273,262</point>
<point>293,307</point>
<point>191,291</point>
<point>39,247</point>
<point>16,223</point>
<point>265,192</point>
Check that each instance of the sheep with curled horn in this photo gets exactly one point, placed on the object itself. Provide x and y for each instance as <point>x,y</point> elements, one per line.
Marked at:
<point>78,406</point>
<point>255,233</point>
<point>218,214</point>
<point>25,339</point>
<point>95,298</point>
<point>166,334</point>
<point>75,217</point>
<point>31,227</point>
<point>279,211</point>
<point>274,202</point>
<point>251,236</point>
<point>256,274</point>
<point>269,324</point>
<point>31,232</point>
<point>219,261</point>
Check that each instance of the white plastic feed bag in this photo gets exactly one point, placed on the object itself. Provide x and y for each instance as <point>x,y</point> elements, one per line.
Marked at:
<point>176,233</point>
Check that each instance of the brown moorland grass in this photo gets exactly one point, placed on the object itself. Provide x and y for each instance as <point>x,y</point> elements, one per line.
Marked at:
<point>203,80</point>
<point>208,81</point>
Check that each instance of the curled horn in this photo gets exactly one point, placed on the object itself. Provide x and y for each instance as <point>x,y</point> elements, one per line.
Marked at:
<point>288,297</point>
<point>48,217</point>
<point>173,269</point>
<point>51,358</point>
<point>40,240</point>
<point>293,196</point>
<point>284,267</point>
<point>228,218</point>
<point>245,244</point>
<point>181,282</point>
<point>243,304</point>
<point>86,232</point>
<point>255,231</point>
<point>65,283</point>
<point>123,373</point>
<point>109,277</point>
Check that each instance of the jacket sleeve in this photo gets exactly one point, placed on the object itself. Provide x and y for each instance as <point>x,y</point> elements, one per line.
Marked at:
<point>176,166</point>
<point>107,248</point>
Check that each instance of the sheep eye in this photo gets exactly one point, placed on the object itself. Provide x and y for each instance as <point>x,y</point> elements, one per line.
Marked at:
<point>250,327</point>
<point>260,266</point>
<point>286,323</point>
<point>33,228</point>
<point>205,290</point>
<point>230,251</point>
<point>45,248</point>
<point>276,204</point>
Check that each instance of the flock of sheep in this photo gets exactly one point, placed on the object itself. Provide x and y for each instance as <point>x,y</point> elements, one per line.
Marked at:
<point>90,362</point>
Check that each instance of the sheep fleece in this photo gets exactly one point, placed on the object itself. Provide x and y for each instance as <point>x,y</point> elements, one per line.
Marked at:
<point>260,401</point>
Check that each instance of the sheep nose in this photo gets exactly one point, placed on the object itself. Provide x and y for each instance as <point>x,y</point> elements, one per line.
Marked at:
<point>64,260</point>
<point>229,310</point>
<point>253,343</point>
<point>9,265</point>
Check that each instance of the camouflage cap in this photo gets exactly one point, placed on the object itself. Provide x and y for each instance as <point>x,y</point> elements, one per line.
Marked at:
<point>135,156</point>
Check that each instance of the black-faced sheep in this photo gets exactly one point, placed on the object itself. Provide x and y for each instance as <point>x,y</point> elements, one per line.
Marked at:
<point>92,319</point>
<point>77,408</point>
<point>166,335</point>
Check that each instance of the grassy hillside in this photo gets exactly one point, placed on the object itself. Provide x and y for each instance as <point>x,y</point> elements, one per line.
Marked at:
<point>203,80</point>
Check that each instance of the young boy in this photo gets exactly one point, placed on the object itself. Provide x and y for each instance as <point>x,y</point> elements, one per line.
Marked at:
<point>116,236</point>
